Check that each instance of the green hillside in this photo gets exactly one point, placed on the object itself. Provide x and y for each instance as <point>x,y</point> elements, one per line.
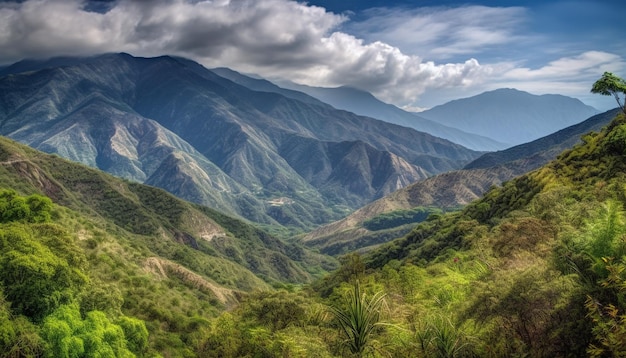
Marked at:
<point>446,191</point>
<point>535,268</point>
<point>106,267</point>
<point>92,264</point>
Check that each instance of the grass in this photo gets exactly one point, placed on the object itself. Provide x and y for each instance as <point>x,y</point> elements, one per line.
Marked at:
<point>359,319</point>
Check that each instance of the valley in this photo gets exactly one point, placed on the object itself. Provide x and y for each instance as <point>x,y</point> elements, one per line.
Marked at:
<point>154,207</point>
<point>171,123</point>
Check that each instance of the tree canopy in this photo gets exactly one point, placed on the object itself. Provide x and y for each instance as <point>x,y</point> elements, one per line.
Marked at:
<point>611,85</point>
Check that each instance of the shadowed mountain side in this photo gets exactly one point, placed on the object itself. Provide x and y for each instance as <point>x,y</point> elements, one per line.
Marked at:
<point>172,123</point>
<point>364,104</point>
<point>262,85</point>
<point>357,166</point>
<point>133,147</point>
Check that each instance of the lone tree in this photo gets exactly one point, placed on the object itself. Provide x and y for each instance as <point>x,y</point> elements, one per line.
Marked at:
<point>608,85</point>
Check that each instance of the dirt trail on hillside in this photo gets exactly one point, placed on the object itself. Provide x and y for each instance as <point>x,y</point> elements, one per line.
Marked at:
<point>165,268</point>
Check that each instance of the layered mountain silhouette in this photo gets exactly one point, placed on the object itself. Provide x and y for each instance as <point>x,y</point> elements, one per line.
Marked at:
<point>544,149</point>
<point>365,104</point>
<point>171,123</point>
<point>450,190</point>
<point>511,116</point>
<point>490,121</point>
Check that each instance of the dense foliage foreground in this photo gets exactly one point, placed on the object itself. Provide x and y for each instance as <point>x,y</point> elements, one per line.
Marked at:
<point>535,268</point>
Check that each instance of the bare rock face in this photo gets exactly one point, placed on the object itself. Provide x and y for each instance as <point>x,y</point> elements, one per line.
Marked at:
<point>452,189</point>
<point>171,123</point>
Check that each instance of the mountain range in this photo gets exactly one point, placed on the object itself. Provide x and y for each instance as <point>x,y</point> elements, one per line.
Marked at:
<point>140,212</point>
<point>365,104</point>
<point>136,270</point>
<point>171,123</point>
<point>511,116</point>
<point>93,264</point>
<point>450,190</point>
<point>490,121</point>
<point>134,251</point>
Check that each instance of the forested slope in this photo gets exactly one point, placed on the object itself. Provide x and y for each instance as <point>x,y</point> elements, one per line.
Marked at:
<point>92,265</point>
<point>535,268</point>
<point>446,191</point>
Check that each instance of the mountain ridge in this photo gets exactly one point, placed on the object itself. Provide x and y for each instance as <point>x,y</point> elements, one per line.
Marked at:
<point>365,104</point>
<point>218,129</point>
<point>137,208</point>
<point>550,145</point>
<point>135,252</point>
<point>450,190</point>
<point>510,115</point>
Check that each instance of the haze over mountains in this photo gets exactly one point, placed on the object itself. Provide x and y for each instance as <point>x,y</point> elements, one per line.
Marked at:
<point>490,121</point>
<point>450,190</point>
<point>172,123</point>
<point>365,104</point>
<point>511,116</point>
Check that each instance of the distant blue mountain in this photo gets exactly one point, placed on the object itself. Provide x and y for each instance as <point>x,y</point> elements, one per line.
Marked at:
<point>511,116</point>
<point>365,104</point>
<point>544,149</point>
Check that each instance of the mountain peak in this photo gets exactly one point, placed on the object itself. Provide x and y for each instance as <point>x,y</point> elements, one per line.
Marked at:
<point>511,116</point>
<point>216,137</point>
<point>365,104</point>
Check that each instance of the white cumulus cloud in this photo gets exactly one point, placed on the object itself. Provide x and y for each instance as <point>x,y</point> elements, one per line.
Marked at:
<point>274,38</point>
<point>400,55</point>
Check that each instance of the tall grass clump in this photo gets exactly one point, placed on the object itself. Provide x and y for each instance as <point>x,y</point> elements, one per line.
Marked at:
<point>359,319</point>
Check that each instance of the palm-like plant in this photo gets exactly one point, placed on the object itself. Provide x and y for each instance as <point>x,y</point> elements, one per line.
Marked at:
<point>440,338</point>
<point>359,319</point>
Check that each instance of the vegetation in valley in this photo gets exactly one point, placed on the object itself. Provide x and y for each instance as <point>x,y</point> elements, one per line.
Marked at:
<point>537,267</point>
<point>448,191</point>
<point>399,217</point>
<point>97,266</point>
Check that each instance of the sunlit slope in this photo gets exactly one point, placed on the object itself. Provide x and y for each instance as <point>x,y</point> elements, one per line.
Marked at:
<point>446,191</point>
<point>171,123</point>
<point>534,268</point>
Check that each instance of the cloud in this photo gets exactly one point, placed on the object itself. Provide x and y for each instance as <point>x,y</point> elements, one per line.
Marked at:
<point>38,28</point>
<point>384,70</point>
<point>590,63</point>
<point>569,75</point>
<point>274,38</point>
<point>441,32</point>
<point>267,30</point>
<point>390,53</point>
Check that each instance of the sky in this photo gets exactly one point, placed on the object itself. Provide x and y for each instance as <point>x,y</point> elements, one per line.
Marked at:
<point>412,53</point>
